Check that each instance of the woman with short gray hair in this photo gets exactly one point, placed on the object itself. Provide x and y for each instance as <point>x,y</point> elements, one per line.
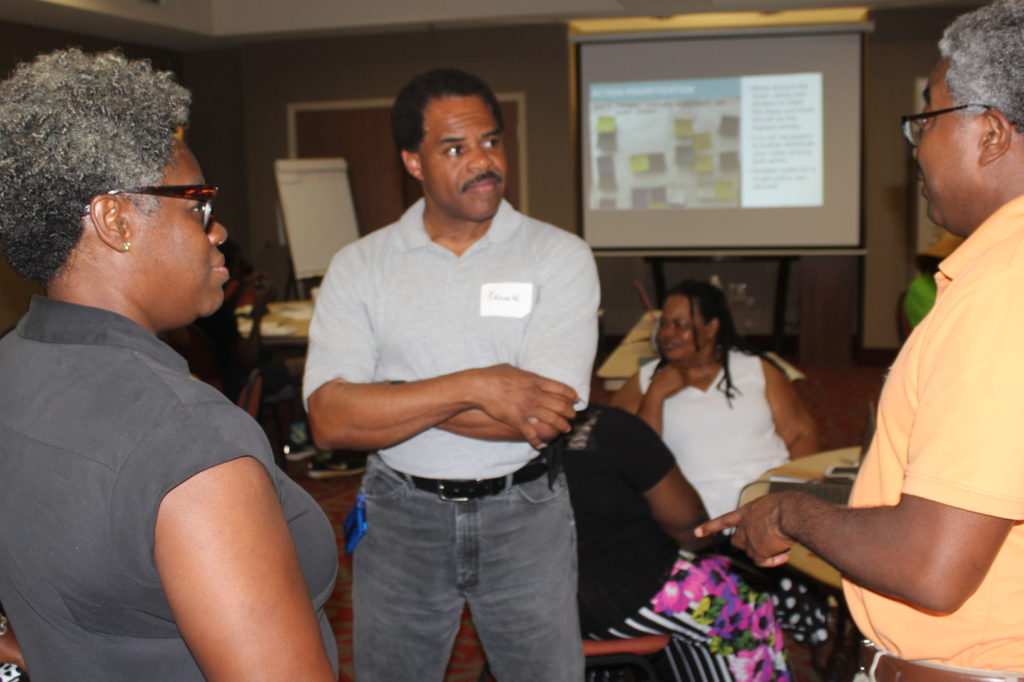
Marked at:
<point>146,532</point>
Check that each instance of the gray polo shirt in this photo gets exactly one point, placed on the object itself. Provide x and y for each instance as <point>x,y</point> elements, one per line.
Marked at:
<point>396,306</point>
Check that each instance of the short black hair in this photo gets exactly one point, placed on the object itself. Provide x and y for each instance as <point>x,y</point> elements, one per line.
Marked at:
<point>412,101</point>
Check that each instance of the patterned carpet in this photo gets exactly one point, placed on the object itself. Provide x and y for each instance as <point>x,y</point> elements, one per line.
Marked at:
<point>836,396</point>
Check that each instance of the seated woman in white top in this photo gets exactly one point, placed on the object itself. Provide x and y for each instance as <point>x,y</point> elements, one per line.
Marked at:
<point>727,414</point>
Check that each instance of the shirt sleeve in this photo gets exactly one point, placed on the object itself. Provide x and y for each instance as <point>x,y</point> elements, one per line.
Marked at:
<point>190,439</point>
<point>966,445</point>
<point>562,337</point>
<point>340,334</point>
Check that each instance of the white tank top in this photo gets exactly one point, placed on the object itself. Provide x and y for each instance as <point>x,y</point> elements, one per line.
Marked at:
<point>721,448</point>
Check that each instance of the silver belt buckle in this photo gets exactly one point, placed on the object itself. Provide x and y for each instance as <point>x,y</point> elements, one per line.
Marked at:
<point>447,498</point>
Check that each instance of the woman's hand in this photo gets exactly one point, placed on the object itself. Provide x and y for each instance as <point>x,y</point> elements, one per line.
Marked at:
<point>665,383</point>
<point>668,381</point>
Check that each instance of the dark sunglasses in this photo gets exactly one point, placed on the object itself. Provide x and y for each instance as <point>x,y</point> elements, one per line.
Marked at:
<point>204,194</point>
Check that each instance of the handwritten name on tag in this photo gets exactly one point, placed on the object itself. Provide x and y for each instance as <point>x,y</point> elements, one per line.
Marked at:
<point>506,299</point>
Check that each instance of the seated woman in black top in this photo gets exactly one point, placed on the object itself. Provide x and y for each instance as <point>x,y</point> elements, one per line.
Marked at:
<point>635,515</point>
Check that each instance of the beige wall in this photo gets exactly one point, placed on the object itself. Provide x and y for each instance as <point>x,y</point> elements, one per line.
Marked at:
<point>535,60</point>
<point>902,48</point>
<point>15,293</point>
<point>215,133</point>
<point>531,60</point>
<point>241,96</point>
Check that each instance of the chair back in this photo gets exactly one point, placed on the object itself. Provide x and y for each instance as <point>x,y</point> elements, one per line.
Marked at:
<point>252,392</point>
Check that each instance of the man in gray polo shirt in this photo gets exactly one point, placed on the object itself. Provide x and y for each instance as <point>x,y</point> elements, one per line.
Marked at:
<point>457,342</point>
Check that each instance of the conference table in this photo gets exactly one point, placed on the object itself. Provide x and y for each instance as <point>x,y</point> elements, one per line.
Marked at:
<point>286,323</point>
<point>805,469</point>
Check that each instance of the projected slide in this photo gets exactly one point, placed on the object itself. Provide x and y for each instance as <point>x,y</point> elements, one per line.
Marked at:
<point>745,142</point>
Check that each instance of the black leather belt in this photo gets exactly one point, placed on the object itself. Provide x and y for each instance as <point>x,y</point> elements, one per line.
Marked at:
<point>471,489</point>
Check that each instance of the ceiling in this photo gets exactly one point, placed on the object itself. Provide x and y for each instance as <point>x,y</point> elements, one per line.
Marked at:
<point>198,24</point>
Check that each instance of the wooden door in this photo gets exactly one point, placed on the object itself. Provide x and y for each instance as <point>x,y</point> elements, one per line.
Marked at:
<point>381,188</point>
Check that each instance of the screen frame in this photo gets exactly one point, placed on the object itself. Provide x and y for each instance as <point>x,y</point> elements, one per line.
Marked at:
<point>853,239</point>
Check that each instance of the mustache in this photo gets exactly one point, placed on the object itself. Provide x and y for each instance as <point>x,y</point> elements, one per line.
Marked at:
<point>483,177</point>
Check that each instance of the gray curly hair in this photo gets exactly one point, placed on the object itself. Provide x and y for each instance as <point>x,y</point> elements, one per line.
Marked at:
<point>986,58</point>
<point>72,126</point>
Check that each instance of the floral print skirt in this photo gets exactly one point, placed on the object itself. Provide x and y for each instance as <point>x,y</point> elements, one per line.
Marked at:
<point>722,628</point>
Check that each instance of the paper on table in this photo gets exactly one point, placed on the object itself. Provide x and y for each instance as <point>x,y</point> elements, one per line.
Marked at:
<point>272,328</point>
<point>794,471</point>
<point>294,312</point>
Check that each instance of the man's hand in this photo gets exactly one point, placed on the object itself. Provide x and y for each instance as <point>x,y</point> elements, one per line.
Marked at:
<point>537,407</point>
<point>758,527</point>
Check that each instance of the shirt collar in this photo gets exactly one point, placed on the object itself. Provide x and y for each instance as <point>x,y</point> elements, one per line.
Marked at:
<point>413,235</point>
<point>52,321</point>
<point>1002,224</point>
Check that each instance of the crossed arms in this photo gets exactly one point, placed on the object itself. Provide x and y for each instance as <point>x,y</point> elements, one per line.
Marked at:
<point>497,402</point>
<point>491,403</point>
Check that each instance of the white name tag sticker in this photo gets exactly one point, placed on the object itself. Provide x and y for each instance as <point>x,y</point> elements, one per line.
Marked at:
<point>506,299</point>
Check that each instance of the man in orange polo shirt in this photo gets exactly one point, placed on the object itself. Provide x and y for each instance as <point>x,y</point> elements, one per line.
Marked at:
<point>932,546</point>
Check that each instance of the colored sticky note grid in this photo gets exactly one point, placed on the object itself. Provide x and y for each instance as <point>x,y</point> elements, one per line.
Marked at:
<point>725,190</point>
<point>704,163</point>
<point>684,127</point>
<point>606,124</point>
<point>729,125</point>
<point>676,196</point>
<point>640,163</point>
<point>684,156</point>
<point>659,197</point>
<point>702,142</point>
<point>641,198</point>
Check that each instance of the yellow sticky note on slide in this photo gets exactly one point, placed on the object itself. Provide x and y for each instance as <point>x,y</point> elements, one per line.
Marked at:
<point>704,163</point>
<point>725,190</point>
<point>684,127</point>
<point>606,124</point>
<point>640,163</point>
<point>702,142</point>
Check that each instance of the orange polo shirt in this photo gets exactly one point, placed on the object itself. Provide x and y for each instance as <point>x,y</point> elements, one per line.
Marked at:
<point>951,430</point>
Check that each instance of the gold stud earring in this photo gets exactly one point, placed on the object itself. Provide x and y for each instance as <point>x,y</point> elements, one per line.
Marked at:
<point>126,246</point>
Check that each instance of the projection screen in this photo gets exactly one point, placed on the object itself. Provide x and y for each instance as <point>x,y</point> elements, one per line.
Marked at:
<point>721,142</point>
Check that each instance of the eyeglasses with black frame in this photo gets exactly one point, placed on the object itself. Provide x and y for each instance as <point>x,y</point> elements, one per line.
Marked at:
<point>913,125</point>
<point>204,194</point>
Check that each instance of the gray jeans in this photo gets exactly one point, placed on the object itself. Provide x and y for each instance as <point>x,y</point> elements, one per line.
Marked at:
<point>511,556</point>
